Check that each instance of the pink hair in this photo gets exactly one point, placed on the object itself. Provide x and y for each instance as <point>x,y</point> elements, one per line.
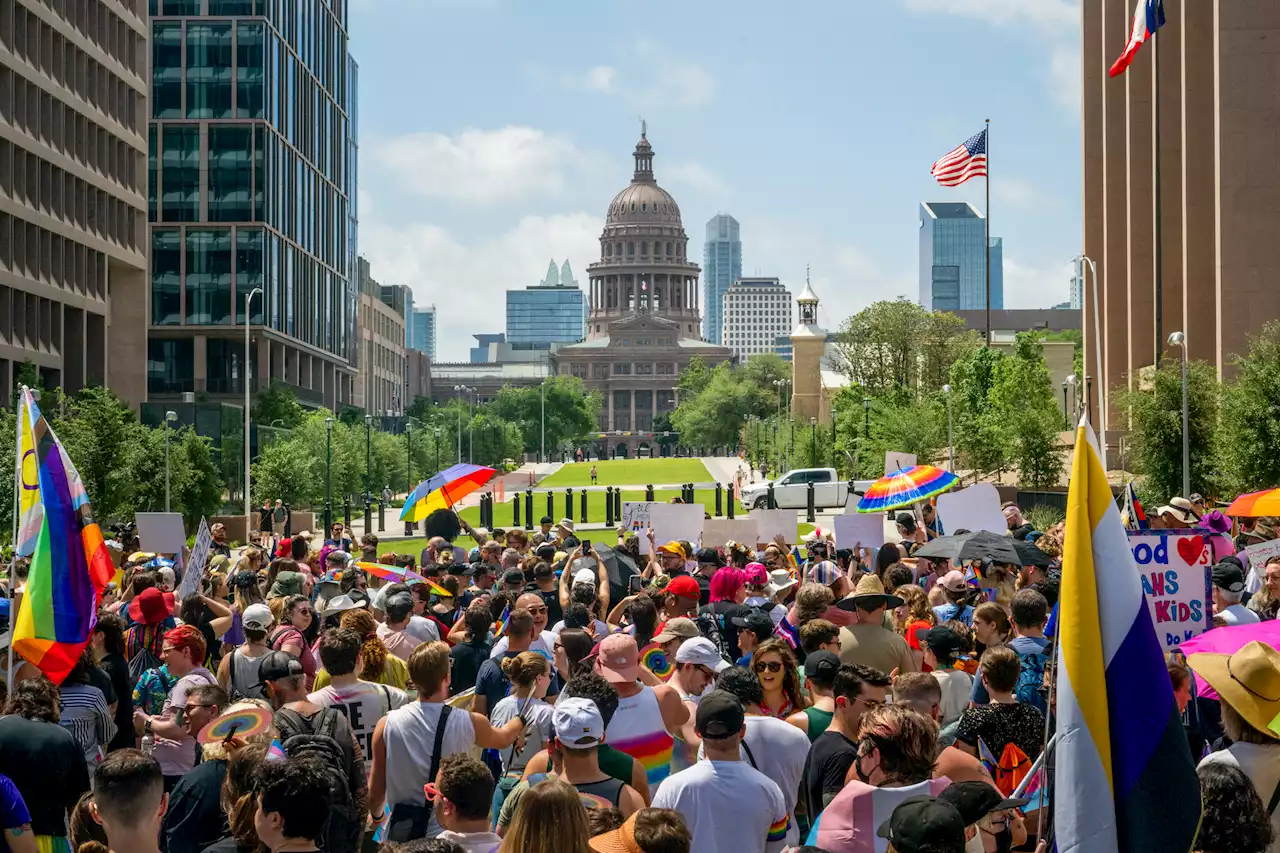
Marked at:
<point>726,582</point>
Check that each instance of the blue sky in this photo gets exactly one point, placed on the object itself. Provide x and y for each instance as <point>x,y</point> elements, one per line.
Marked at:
<point>493,134</point>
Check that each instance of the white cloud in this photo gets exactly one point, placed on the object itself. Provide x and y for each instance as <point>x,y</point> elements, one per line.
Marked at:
<point>467,280</point>
<point>600,78</point>
<point>1036,287</point>
<point>646,77</point>
<point>1018,194</point>
<point>694,176</point>
<point>479,166</point>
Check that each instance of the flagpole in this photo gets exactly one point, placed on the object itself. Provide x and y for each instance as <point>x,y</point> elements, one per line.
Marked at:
<point>1159,238</point>
<point>13,557</point>
<point>988,232</point>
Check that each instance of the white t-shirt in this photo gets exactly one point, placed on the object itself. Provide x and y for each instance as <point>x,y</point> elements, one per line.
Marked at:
<point>473,842</point>
<point>1261,763</point>
<point>729,807</point>
<point>956,685</point>
<point>775,610</point>
<point>538,730</point>
<point>363,704</point>
<point>778,750</point>
<point>544,644</point>
<point>401,643</point>
<point>1238,614</point>
<point>602,630</point>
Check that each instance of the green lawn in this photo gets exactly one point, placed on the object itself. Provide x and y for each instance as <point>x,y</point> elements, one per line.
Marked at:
<point>629,472</point>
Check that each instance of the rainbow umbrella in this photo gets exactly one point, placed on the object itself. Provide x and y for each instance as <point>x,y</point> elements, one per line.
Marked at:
<point>1266,502</point>
<point>443,490</point>
<point>905,487</point>
<point>382,571</point>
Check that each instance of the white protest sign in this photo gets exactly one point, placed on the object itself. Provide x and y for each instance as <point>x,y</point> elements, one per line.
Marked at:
<point>1174,566</point>
<point>772,522</point>
<point>161,532</point>
<point>635,517</point>
<point>677,521</point>
<point>194,572</point>
<point>973,509</point>
<point>1259,553</point>
<point>895,461</point>
<point>717,531</point>
<point>854,527</point>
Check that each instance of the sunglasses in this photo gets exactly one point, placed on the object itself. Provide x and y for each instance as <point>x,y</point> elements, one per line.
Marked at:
<point>769,666</point>
<point>536,610</point>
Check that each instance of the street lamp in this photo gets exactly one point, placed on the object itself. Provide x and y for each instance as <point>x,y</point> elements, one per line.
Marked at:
<point>248,304</point>
<point>1066,419</point>
<point>866,409</point>
<point>458,389</point>
<point>1179,340</point>
<point>437,449</point>
<point>951,448</point>
<point>169,417</point>
<point>813,442</point>
<point>368,472</point>
<point>542,442</point>
<point>1075,400</point>
<point>328,474</point>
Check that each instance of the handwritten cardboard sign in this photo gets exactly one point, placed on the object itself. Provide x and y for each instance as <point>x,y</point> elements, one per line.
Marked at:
<point>1258,553</point>
<point>854,528</point>
<point>1175,569</point>
<point>717,531</point>
<point>681,522</point>
<point>194,571</point>
<point>636,518</point>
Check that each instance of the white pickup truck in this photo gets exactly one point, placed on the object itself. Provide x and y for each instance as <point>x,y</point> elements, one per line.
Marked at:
<point>791,490</point>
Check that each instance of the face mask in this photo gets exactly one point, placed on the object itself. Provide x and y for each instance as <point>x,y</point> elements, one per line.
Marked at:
<point>1004,841</point>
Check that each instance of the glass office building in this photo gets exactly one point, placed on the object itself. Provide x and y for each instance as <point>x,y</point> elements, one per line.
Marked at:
<point>721,267</point>
<point>422,330</point>
<point>953,259</point>
<point>251,184</point>
<point>540,316</point>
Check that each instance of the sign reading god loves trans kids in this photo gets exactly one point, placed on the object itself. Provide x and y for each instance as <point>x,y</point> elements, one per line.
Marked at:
<point>1175,570</point>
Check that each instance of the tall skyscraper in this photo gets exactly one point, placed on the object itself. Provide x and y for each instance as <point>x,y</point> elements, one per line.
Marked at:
<point>1076,300</point>
<point>73,123</point>
<point>550,312</point>
<point>252,185</point>
<point>422,330</point>
<point>721,267</point>
<point>756,312</point>
<point>953,258</point>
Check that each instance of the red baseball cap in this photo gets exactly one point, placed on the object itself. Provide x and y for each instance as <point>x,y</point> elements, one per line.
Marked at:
<point>684,586</point>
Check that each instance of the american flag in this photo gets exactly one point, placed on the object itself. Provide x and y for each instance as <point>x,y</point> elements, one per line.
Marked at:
<point>966,161</point>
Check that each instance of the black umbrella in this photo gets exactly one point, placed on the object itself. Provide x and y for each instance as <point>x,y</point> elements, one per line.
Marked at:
<point>982,545</point>
<point>1031,555</point>
<point>620,568</point>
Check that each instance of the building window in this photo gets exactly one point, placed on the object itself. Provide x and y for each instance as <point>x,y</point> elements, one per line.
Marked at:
<point>223,366</point>
<point>208,62</point>
<point>249,259</point>
<point>580,371</point>
<point>166,70</point>
<point>249,69</point>
<point>180,173</point>
<point>621,369</point>
<point>166,277</point>
<point>170,366</point>
<point>230,173</point>
<point>208,277</point>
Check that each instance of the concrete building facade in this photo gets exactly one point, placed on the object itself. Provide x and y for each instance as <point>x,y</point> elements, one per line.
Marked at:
<point>73,137</point>
<point>755,312</point>
<point>381,374</point>
<point>1220,181</point>
<point>808,346</point>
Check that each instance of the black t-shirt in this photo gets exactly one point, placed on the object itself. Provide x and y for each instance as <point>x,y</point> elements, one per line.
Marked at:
<point>228,845</point>
<point>551,598</point>
<point>830,757</point>
<point>44,762</point>
<point>195,818</point>
<point>724,612</point>
<point>117,669</point>
<point>466,660</point>
<point>998,725</point>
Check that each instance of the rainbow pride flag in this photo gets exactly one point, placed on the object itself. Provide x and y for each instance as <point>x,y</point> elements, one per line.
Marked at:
<point>70,566</point>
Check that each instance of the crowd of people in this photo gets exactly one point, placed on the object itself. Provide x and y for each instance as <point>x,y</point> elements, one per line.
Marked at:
<point>524,696</point>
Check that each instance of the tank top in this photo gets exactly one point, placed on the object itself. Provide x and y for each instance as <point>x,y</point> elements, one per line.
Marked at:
<point>594,795</point>
<point>244,681</point>
<point>409,735</point>
<point>818,723</point>
<point>638,730</point>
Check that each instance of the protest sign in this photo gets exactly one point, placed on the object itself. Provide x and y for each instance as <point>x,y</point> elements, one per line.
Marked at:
<point>895,461</point>
<point>973,509</point>
<point>771,522</point>
<point>717,531</point>
<point>1175,569</point>
<point>161,532</point>
<point>1258,554</point>
<point>677,521</point>
<point>194,572</point>
<point>635,517</point>
<point>859,527</point>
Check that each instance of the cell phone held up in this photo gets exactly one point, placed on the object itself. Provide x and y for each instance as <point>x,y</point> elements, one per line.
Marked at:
<point>586,546</point>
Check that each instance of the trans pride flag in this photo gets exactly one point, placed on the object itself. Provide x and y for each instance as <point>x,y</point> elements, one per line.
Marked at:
<point>70,566</point>
<point>1125,779</point>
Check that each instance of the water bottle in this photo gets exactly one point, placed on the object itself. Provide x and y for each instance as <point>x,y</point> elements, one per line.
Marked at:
<point>148,743</point>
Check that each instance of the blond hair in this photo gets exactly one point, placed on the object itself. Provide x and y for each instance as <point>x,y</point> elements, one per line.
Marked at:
<point>549,819</point>
<point>524,669</point>
<point>429,667</point>
<point>917,604</point>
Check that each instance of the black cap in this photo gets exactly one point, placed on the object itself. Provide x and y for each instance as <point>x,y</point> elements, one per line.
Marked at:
<point>1228,577</point>
<point>924,823</point>
<point>976,800</point>
<point>821,666</point>
<point>719,716</point>
<point>708,555</point>
<point>546,519</point>
<point>277,665</point>
<point>513,577</point>
<point>546,551</point>
<point>757,622</point>
<point>943,642</point>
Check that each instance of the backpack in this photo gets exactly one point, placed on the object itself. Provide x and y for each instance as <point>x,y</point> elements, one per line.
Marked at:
<point>243,673</point>
<point>1012,768</point>
<point>143,659</point>
<point>345,829</point>
<point>709,625</point>
<point>1030,687</point>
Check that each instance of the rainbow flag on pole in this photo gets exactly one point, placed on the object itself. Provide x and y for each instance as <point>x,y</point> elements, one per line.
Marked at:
<point>1125,781</point>
<point>69,562</point>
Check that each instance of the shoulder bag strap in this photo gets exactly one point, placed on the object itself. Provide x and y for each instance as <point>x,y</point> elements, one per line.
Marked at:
<point>1275,800</point>
<point>751,757</point>
<point>437,747</point>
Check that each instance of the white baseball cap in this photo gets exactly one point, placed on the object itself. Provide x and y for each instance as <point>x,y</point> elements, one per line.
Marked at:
<point>258,617</point>
<point>577,723</point>
<point>702,652</point>
<point>585,576</point>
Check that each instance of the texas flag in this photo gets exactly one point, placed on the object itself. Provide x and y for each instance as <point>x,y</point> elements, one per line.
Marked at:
<point>1147,18</point>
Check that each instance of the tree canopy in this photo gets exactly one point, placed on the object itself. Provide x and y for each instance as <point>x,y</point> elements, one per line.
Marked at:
<point>898,344</point>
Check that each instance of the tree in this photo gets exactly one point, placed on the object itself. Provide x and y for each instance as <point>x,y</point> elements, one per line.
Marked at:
<point>979,430</point>
<point>897,422</point>
<point>288,471</point>
<point>1155,412</point>
<point>570,413</point>
<point>277,403</point>
<point>900,344</point>
<point>1249,445</point>
<point>693,379</point>
<point>714,416</point>
<point>1022,397</point>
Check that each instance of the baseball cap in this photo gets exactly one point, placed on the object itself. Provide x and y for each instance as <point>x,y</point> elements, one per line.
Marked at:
<point>674,547</point>
<point>924,823</point>
<point>824,572</point>
<point>684,586</point>
<point>619,659</point>
<point>702,652</point>
<point>953,581</point>
<point>513,577</point>
<point>943,642</point>
<point>681,627</point>
<point>277,665</point>
<point>756,574</point>
<point>708,555</point>
<point>976,800</point>
<point>821,667</point>
<point>258,617</point>
<point>577,723</point>
<point>546,551</point>
<point>400,599</point>
<point>757,622</point>
<point>585,576</point>
<point>1228,577</point>
<point>719,716</point>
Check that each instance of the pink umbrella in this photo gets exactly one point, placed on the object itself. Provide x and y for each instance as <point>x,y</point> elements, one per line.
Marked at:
<point>1227,641</point>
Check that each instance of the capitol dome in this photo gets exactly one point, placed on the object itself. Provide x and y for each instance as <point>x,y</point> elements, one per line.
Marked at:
<point>643,201</point>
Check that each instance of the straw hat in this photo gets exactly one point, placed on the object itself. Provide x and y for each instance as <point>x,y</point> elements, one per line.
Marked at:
<point>1249,681</point>
<point>869,591</point>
